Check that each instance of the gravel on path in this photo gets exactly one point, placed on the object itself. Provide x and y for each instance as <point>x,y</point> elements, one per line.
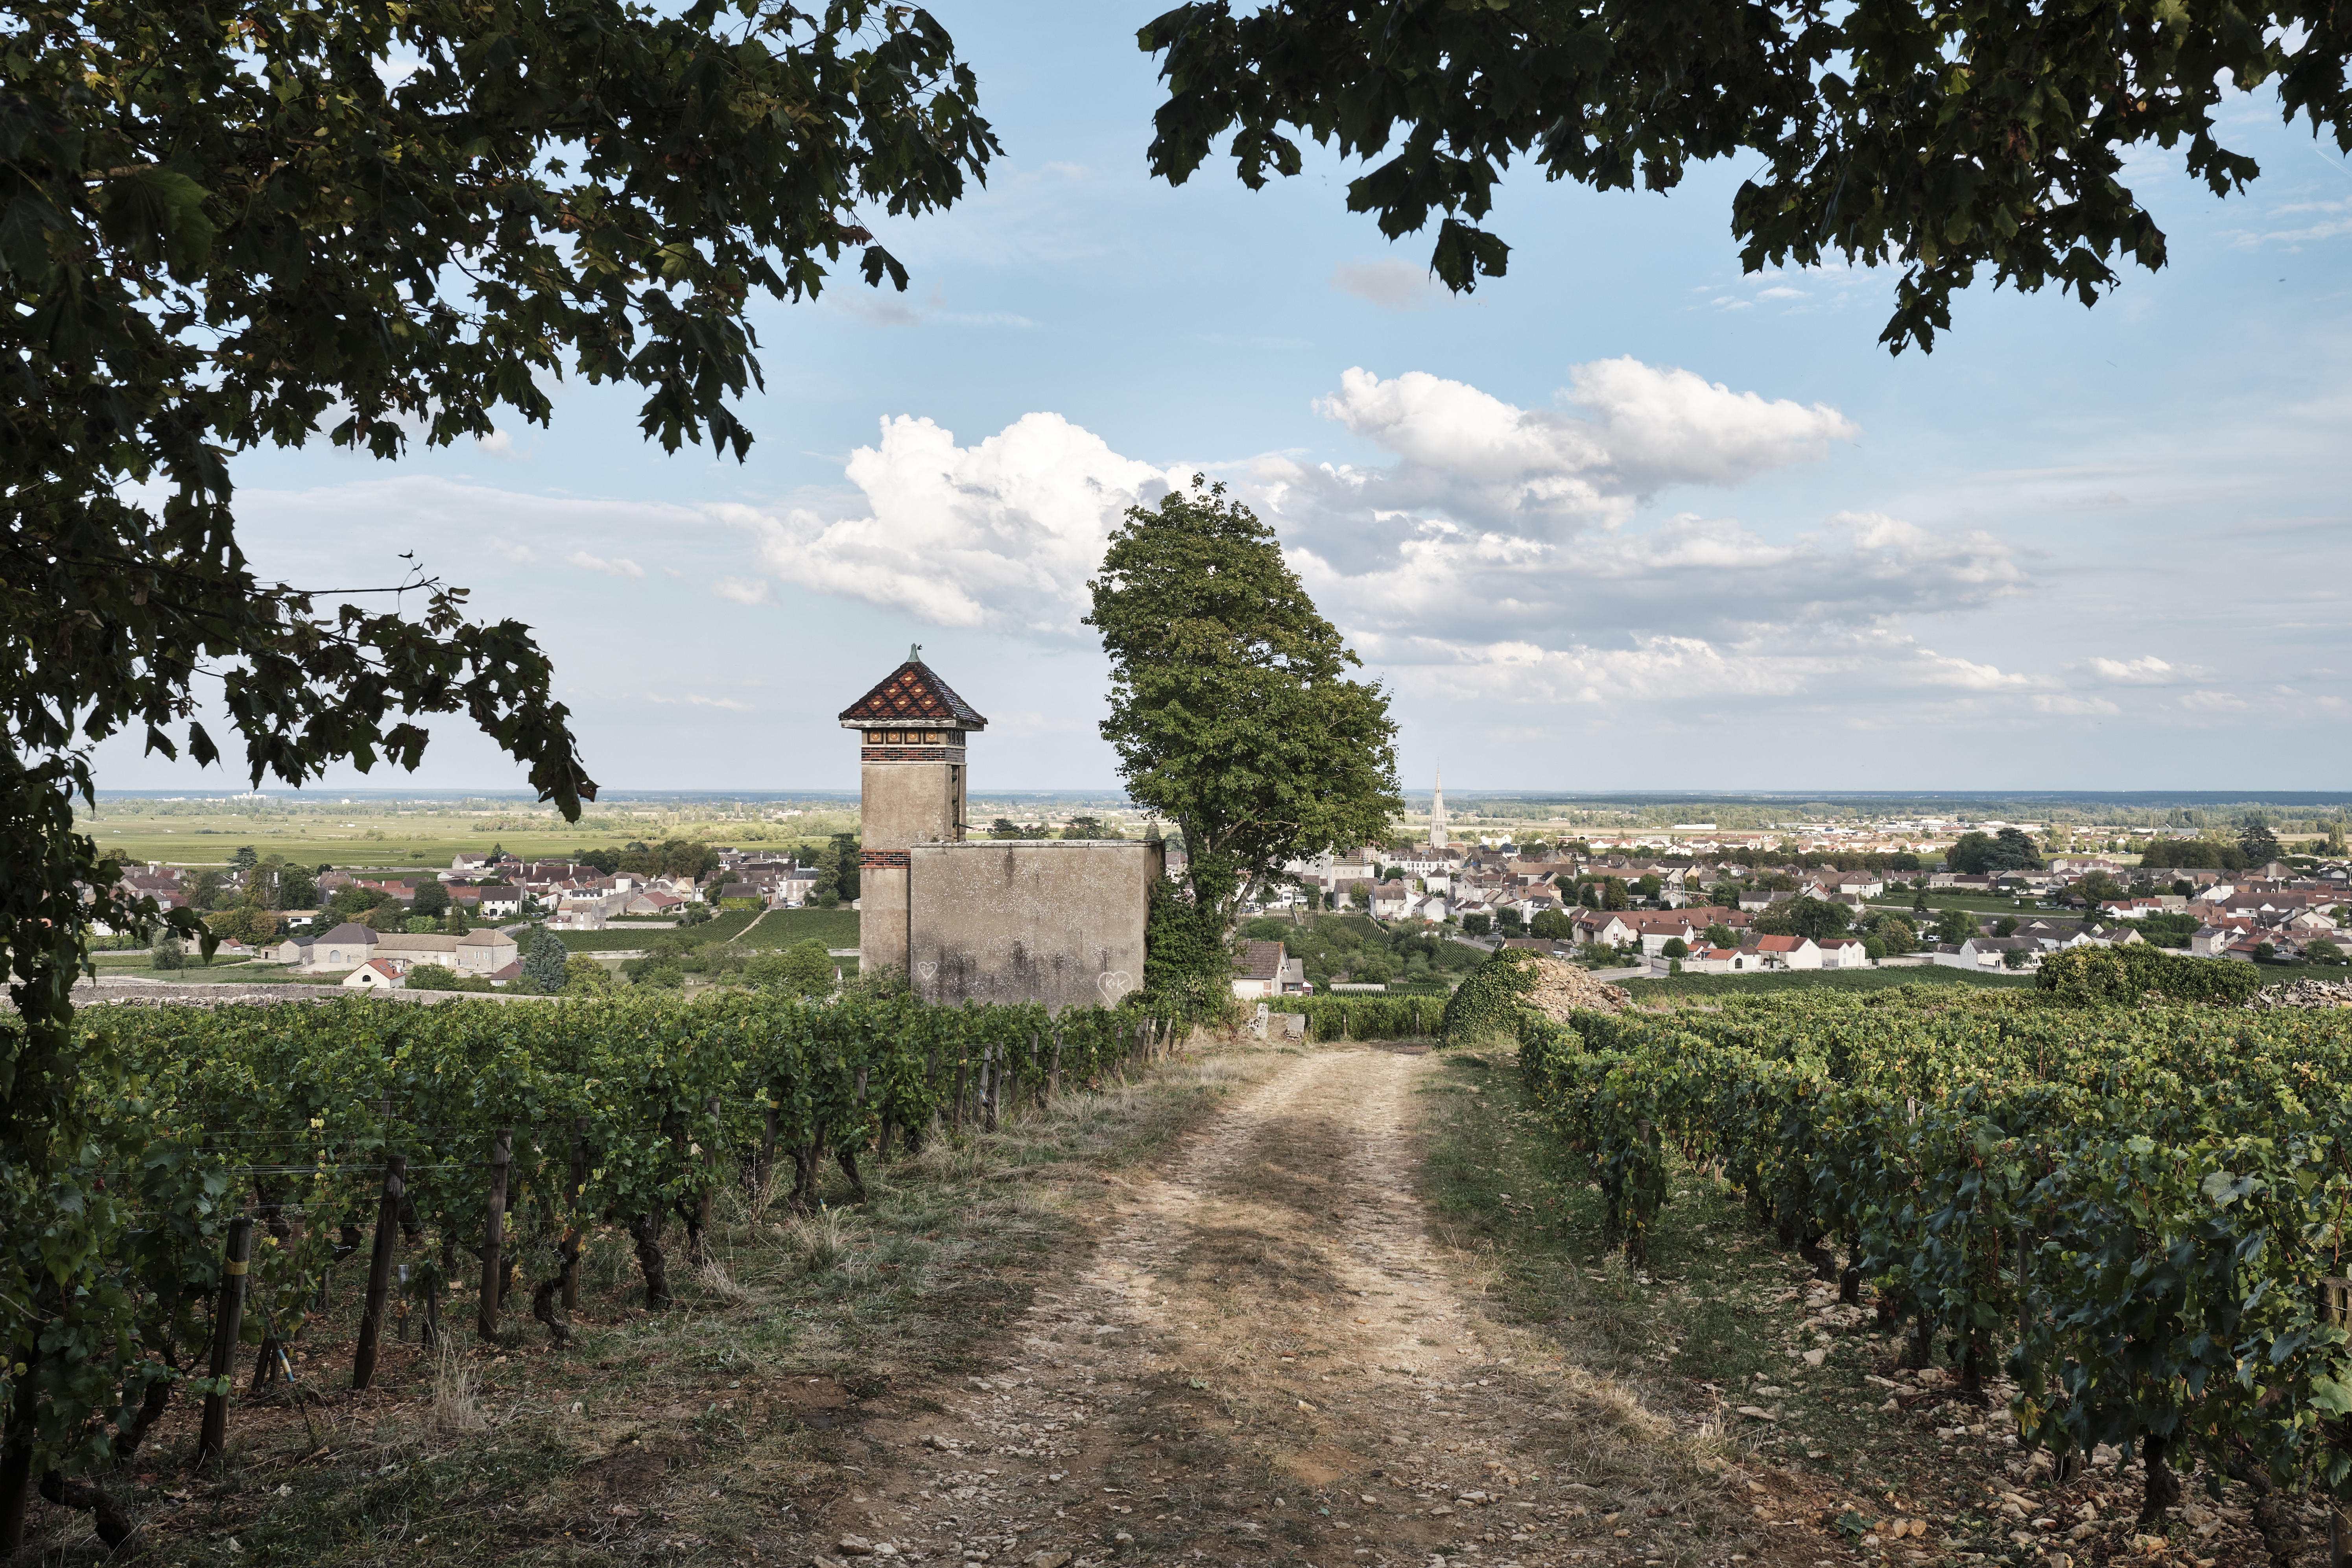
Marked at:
<point>1264,1359</point>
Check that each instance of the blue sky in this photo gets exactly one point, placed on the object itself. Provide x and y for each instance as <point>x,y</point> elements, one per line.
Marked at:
<point>1623,519</point>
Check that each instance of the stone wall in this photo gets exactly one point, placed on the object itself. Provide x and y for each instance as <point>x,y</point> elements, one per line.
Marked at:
<point>1052,920</point>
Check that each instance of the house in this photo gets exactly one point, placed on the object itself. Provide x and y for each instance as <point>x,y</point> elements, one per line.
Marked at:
<point>1265,969</point>
<point>1391,901</point>
<point>1716,961</point>
<point>1753,899</point>
<point>466,865</point>
<point>502,902</point>
<point>1994,953</point>
<point>347,946</point>
<point>485,951</point>
<point>1787,952</point>
<point>1845,952</point>
<point>1655,931</point>
<point>2213,940</point>
<point>376,974</point>
<point>652,904</point>
<point>508,974</point>
<point>294,951</point>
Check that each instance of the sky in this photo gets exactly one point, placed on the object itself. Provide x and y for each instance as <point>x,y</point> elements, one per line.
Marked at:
<point>1624,518</point>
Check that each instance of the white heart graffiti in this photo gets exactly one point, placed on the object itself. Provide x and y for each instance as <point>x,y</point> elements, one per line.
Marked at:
<point>1114,984</point>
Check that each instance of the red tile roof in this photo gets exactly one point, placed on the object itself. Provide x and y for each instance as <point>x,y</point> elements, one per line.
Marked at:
<point>913,694</point>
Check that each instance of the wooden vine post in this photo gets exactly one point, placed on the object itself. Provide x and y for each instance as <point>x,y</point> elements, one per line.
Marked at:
<point>379,1276</point>
<point>2335,1310</point>
<point>228,1320</point>
<point>494,1234</point>
<point>1054,1083</point>
<point>572,1227</point>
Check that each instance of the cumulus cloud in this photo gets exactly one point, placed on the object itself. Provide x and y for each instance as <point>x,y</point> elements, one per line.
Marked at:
<point>1003,534</point>
<point>1496,543</point>
<point>612,565</point>
<point>1470,458</point>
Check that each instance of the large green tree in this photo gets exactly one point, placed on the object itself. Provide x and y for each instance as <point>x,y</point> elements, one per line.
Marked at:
<point>1954,138</point>
<point>231,223</point>
<point>1233,710</point>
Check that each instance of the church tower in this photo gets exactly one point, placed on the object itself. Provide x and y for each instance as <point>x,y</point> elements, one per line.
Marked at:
<point>912,787</point>
<point>1437,814</point>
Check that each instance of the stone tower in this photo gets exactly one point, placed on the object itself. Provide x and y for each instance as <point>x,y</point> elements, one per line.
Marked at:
<point>912,786</point>
<point>1437,814</point>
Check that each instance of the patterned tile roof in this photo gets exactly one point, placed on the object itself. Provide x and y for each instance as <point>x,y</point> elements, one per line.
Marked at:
<point>912,694</point>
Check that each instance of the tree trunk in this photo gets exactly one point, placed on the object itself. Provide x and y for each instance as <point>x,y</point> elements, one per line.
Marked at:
<point>645,1231</point>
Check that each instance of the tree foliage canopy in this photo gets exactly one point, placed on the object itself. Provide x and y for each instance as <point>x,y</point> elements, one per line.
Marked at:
<point>1232,709</point>
<point>225,225</point>
<point>1987,854</point>
<point>1980,136</point>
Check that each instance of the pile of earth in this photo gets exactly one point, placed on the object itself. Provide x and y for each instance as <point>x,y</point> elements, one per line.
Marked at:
<point>1564,988</point>
<point>2302,994</point>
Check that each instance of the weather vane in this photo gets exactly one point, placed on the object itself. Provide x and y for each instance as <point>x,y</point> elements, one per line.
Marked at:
<point>914,653</point>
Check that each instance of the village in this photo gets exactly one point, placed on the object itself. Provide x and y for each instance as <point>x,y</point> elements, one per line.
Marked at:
<point>1797,904</point>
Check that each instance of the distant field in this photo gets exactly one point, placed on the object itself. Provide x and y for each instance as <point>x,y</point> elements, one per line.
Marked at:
<point>404,839</point>
<point>782,928</point>
<point>1813,980</point>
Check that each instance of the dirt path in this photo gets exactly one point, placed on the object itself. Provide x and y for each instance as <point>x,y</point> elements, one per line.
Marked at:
<point>1264,1359</point>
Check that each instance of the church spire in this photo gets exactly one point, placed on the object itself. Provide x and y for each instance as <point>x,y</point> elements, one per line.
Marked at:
<point>1437,813</point>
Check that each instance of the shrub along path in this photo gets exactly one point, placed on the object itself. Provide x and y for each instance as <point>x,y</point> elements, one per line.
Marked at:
<point>1268,1357</point>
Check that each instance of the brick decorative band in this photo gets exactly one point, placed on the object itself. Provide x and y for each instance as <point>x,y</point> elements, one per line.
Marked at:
<point>910,754</point>
<point>881,859</point>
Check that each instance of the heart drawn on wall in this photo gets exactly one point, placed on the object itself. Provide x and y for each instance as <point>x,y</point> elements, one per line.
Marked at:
<point>929,971</point>
<point>1114,984</point>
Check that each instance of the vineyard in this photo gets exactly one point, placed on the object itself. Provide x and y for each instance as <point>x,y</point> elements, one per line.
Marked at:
<point>235,1170</point>
<point>2136,1213</point>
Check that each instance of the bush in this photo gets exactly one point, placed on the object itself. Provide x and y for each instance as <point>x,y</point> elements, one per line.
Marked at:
<point>804,969</point>
<point>432,977</point>
<point>2128,974</point>
<point>1487,1003</point>
<point>1477,925</point>
<point>170,953</point>
<point>583,977</point>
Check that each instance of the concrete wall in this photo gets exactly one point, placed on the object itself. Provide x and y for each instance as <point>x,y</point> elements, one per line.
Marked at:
<point>881,917</point>
<point>1051,920</point>
<point>907,803</point>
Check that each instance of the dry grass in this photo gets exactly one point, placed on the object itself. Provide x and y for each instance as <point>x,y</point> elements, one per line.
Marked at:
<point>455,1408</point>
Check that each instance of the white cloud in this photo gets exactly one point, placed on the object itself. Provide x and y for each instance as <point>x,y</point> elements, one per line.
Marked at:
<point>1496,548</point>
<point>745,590</point>
<point>614,565</point>
<point>1392,285</point>
<point>1470,458</point>
<point>2146,670</point>
<point>696,701</point>
<point>1003,534</point>
<point>497,444</point>
<point>2075,706</point>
